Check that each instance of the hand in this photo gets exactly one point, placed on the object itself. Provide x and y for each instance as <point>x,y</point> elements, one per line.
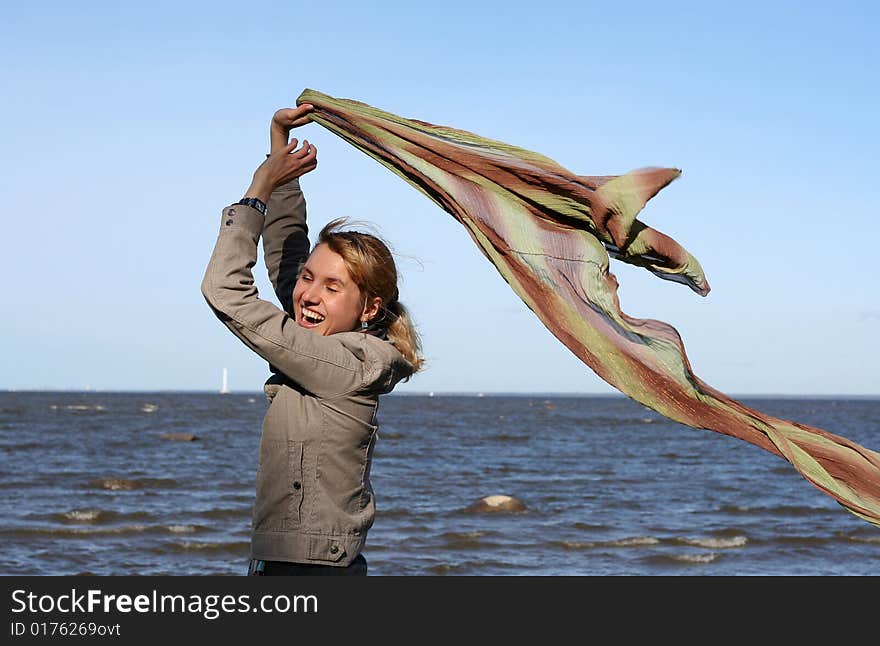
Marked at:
<point>282,122</point>
<point>282,166</point>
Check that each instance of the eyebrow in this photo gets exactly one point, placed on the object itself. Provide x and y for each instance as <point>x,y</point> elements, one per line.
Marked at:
<point>328,279</point>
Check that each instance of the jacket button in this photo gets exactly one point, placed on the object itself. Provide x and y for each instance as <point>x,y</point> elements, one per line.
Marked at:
<point>297,485</point>
<point>334,549</point>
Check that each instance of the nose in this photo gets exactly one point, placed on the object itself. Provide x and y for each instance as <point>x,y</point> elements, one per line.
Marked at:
<point>310,293</point>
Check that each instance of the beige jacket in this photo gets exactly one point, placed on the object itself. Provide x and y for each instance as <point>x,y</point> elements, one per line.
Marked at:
<point>314,502</point>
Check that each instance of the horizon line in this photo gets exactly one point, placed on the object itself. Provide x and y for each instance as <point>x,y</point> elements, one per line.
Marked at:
<point>433,393</point>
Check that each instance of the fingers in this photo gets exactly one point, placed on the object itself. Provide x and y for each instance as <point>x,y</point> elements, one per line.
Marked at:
<point>287,118</point>
<point>288,162</point>
<point>300,115</point>
<point>311,159</point>
<point>306,150</point>
<point>294,162</point>
<point>293,117</point>
<point>283,118</point>
<point>306,157</point>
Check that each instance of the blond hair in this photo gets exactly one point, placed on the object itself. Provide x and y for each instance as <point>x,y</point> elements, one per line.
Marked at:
<point>371,266</point>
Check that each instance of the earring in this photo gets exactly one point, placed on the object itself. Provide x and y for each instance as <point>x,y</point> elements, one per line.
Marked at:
<point>364,326</point>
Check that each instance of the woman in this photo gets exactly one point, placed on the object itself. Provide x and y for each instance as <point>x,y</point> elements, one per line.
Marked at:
<point>341,339</point>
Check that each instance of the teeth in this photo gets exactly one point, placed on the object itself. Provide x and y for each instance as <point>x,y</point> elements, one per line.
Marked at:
<point>313,317</point>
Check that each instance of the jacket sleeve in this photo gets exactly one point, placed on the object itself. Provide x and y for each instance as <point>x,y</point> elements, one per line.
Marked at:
<point>320,364</point>
<point>285,240</point>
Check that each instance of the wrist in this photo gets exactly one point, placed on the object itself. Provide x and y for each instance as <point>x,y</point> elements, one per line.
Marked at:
<point>255,203</point>
<point>279,137</point>
<point>259,190</point>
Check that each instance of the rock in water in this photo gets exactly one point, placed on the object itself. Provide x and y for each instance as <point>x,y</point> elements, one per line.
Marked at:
<point>497,503</point>
<point>179,437</point>
<point>115,484</point>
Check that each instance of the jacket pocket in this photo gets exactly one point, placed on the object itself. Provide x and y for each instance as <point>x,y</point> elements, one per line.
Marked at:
<point>295,483</point>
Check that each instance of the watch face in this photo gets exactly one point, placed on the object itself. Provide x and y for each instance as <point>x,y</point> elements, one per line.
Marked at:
<point>254,202</point>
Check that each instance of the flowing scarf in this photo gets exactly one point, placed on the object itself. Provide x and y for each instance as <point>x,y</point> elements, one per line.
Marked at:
<point>550,234</point>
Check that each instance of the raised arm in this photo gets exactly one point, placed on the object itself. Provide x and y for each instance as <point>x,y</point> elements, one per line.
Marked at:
<point>321,364</point>
<point>285,232</point>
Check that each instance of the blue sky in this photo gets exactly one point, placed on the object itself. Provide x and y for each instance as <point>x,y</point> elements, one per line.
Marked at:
<point>127,127</point>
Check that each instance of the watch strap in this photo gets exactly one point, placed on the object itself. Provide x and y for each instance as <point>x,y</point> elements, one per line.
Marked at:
<point>256,203</point>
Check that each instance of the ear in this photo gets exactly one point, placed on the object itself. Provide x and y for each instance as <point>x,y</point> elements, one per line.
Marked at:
<point>371,309</point>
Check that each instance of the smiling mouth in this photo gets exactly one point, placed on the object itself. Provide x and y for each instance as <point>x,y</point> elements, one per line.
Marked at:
<point>310,318</point>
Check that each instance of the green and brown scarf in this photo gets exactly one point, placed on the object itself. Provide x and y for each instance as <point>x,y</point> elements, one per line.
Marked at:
<point>550,234</point>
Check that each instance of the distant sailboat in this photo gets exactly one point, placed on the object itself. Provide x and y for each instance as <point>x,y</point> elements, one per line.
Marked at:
<point>224,389</point>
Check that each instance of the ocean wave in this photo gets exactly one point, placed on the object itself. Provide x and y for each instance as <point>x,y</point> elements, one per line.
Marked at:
<point>182,529</point>
<point>92,516</point>
<point>394,513</point>
<point>777,510</point>
<point>683,459</point>
<point>82,515</point>
<point>465,540</point>
<point>22,485</point>
<point>800,540</point>
<point>114,484</point>
<point>23,446</point>
<point>456,535</point>
<point>73,532</point>
<point>574,545</point>
<point>634,541</point>
<point>864,539</point>
<point>716,543</point>
<point>149,408</point>
<point>676,559</point>
<point>468,567</point>
<point>126,484</point>
<point>77,407</point>
<point>233,547</point>
<point>694,558</point>
<point>220,514</point>
<point>589,526</point>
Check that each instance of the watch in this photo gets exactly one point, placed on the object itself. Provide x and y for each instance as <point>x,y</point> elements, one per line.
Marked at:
<point>258,204</point>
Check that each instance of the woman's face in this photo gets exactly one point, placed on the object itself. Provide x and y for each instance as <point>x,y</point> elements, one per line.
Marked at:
<point>325,298</point>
